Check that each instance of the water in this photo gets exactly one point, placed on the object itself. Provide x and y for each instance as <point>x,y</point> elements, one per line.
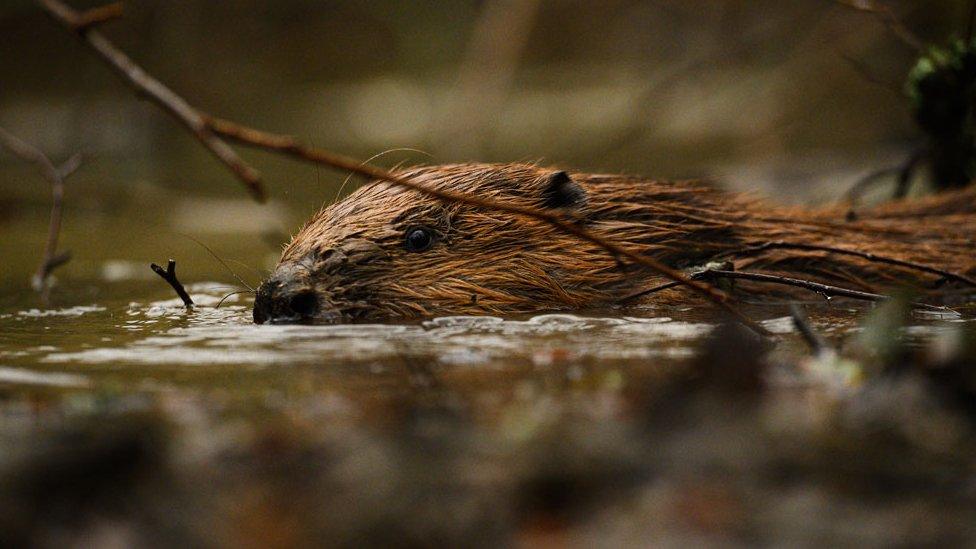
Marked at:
<point>603,426</point>
<point>122,339</point>
<point>130,337</point>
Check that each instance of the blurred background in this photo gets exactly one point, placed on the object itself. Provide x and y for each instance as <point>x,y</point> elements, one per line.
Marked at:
<point>796,99</point>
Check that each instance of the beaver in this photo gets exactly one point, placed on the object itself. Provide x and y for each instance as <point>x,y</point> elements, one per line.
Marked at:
<point>387,252</point>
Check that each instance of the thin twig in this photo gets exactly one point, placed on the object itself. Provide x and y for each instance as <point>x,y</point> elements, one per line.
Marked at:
<point>779,244</point>
<point>155,91</point>
<point>825,290</point>
<point>210,130</point>
<point>169,275</point>
<point>654,290</point>
<point>55,176</point>
<point>288,145</point>
<point>888,19</point>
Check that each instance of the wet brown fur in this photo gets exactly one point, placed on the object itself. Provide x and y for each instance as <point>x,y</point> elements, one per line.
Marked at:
<point>486,262</point>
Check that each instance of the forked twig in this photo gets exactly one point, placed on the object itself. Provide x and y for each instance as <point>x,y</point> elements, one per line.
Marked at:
<point>210,130</point>
<point>81,24</point>
<point>169,275</point>
<point>55,176</point>
<point>779,244</point>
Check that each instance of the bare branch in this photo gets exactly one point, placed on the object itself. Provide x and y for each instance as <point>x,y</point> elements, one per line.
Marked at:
<point>157,92</point>
<point>169,275</point>
<point>55,176</point>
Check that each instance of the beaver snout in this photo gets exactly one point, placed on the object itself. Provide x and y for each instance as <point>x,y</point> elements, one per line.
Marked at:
<point>286,299</point>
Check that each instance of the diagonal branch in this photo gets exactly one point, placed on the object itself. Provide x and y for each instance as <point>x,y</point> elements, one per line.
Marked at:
<point>55,176</point>
<point>80,24</point>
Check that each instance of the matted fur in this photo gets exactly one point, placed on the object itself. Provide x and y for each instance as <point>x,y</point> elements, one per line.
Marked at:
<point>352,253</point>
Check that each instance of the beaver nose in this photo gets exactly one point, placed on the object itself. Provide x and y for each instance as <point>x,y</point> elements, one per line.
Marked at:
<point>280,303</point>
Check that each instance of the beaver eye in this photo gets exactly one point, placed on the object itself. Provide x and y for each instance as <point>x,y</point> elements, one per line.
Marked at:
<point>418,239</point>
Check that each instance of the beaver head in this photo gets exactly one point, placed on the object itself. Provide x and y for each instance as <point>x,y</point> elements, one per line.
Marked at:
<point>389,252</point>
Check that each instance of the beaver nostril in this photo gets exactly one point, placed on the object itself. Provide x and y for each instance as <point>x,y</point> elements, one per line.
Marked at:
<point>304,304</point>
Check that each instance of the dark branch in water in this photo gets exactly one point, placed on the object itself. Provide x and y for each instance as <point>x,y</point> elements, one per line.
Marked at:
<point>810,336</point>
<point>948,275</point>
<point>81,23</point>
<point>212,131</point>
<point>169,275</point>
<point>55,176</point>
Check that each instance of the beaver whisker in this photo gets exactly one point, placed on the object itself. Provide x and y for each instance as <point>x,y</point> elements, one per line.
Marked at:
<point>238,292</point>
<point>221,261</point>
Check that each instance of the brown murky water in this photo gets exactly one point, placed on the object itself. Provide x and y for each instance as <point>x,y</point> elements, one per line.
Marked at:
<point>548,428</point>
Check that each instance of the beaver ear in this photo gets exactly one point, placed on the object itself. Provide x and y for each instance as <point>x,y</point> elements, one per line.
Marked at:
<point>560,191</point>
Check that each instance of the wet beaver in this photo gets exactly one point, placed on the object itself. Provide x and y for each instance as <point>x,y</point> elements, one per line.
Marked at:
<point>387,252</point>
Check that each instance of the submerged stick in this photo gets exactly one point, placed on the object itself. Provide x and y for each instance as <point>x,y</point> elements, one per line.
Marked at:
<point>81,25</point>
<point>169,275</point>
<point>55,176</point>
<point>948,275</point>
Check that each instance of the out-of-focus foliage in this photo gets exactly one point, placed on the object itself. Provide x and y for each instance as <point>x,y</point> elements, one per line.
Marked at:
<point>942,88</point>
